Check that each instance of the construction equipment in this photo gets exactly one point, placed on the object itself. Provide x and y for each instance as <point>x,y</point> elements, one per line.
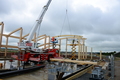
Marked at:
<point>31,51</point>
<point>73,49</point>
<point>97,74</point>
<point>27,44</point>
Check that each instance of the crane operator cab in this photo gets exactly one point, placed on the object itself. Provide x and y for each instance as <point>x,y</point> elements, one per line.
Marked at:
<point>29,46</point>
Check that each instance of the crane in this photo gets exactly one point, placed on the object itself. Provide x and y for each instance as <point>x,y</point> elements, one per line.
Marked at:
<point>27,44</point>
<point>31,52</point>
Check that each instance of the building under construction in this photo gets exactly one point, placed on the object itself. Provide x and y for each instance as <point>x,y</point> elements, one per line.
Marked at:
<point>71,60</point>
<point>29,55</point>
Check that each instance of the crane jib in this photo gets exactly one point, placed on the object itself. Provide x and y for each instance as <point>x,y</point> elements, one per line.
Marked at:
<point>27,43</point>
<point>32,32</point>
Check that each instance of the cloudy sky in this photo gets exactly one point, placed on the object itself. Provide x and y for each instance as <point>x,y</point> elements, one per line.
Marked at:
<point>96,20</point>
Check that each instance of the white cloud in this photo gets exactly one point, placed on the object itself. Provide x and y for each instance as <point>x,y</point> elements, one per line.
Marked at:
<point>96,20</point>
<point>104,5</point>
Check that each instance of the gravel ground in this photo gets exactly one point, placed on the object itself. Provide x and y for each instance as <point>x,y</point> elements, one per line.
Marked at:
<point>84,77</point>
<point>117,70</point>
<point>43,75</point>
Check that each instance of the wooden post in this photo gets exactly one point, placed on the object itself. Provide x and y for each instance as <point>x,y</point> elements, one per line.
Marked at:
<point>79,49</point>
<point>6,47</point>
<point>83,49</point>
<point>66,48</point>
<point>45,42</point>
<point>49,42</point>
<point>21,31</point>
<point>91,54</point>
<point>81,52</point>
<point>1,33</point>
<point>86,52</point>
<point>5,51</point>
<point>59,47</point>
<point>100,55</point>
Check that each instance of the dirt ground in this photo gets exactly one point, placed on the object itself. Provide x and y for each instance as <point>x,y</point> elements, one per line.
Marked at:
<point>43,75</point>
<point>117,69</point>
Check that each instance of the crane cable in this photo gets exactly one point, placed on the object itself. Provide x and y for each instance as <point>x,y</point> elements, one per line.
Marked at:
<point>66,17</point>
